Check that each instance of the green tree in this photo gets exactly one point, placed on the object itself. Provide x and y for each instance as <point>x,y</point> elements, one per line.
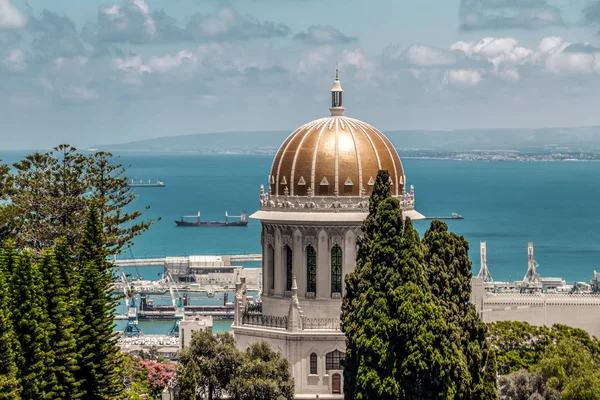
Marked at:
<point>217,361</point>
<point>423,345</point>
<point>571,369</point>
<point>48,195</point>
<point>358,283</point>
<point>35,357</point>
<point>263,375</point>
<point>397,341</point>
<point>9,382</point>
<point>99,359</point>
<point>187,390</point>
<point>60,327</point>
<point>449,276</point>
<point>525,385</point>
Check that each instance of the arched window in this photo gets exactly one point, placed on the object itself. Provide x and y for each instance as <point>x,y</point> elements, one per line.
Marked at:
<point>313,364</point>
<point>334,360</point>
<point>311,269</point>
<point>288,268</point>
<point>271,267</point>
<point>336,269</point>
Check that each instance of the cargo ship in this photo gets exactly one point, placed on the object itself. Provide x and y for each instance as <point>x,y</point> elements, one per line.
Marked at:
<point>158,183</point>
<point>242,222</point>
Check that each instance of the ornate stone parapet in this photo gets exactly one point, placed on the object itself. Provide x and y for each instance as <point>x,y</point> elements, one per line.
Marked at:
<point>269,202</point>
<point>328,324</point>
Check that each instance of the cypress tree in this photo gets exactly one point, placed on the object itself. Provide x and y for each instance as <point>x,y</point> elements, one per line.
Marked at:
<point>423,348</point>
<point>30,325</point>
<point>398,344</point>
<point>449,275</point>
<point>358,283</point>
<point>188,385</point>
<point>61,325</point>
<point>9,382</point>
<point>99,359</point>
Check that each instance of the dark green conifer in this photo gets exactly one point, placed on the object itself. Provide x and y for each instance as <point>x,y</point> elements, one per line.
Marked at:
<point>99,359</point>
<point>9,382</point>
<point>449,276</point>
<point>188,384</point>
<point>358,282</point>
<point>29,319</point>
<point>60,327</point>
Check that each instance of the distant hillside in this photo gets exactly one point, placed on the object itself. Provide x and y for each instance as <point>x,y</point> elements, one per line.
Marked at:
<point>574,139</point>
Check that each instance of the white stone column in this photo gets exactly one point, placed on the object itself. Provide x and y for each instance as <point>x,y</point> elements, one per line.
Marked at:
<point>299,262</point>
<point>323,266</point>
<point>348,256</point>
<point>277,264</point>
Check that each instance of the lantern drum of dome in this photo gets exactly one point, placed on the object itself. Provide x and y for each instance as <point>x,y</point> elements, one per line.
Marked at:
<point>311,211</point>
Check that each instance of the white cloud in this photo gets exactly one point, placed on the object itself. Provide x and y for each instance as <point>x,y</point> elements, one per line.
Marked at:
<point>466,77</point>
<point>10,16</point>
<point>168,62</point>
<point>79,93</point>
<point>313,59</point>
<point>426,56</point>
<point>15,61</point>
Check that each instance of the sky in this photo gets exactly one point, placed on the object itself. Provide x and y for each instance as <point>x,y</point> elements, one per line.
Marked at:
<point>97,72</point>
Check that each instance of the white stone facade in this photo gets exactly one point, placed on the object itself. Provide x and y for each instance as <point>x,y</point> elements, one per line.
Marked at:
<point>311,214</point>
<point>300,310</point>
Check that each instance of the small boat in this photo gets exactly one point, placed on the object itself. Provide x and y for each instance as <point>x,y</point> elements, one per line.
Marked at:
<point>457,216</point>
<point>242,222</point>
<point>158,183</point>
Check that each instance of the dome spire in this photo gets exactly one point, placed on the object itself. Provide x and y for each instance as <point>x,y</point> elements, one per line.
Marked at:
<point>336,96</point>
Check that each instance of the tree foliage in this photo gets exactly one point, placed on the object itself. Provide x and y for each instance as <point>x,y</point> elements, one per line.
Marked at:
<point>263,375</point>
<point>9,382</point>
<point>449,277</point>
<point>410,331</point>
<point>399,342</point>
<point>188,383</point>
<point>520,345</point>
<point>99,358</point>
<point>223,370</point>
<point>48,195</point>
<point>35,357</point>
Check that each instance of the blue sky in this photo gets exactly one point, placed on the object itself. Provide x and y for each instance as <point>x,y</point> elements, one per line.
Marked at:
<point>90,72</point>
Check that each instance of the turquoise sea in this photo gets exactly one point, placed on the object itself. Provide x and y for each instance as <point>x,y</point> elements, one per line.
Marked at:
<point>507,204</point>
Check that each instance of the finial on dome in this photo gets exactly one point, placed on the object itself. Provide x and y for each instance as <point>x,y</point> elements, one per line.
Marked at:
<point>336,96</point>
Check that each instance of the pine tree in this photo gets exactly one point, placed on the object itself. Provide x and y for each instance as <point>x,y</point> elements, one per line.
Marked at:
<point>9,382</point>
<point>30,325</point>
<point>449,276</point>
<point>188,385</point>
<point>61,326</point>
<point>99,359</point>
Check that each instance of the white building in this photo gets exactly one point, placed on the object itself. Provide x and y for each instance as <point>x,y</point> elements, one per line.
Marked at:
<point>189,325</point>
<point>311,213</point>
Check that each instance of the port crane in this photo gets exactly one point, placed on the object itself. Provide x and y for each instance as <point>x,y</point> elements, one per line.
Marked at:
<point>131,329</point>
<point>484,272</point>
<point>177,304</point>
<point>531,281</point>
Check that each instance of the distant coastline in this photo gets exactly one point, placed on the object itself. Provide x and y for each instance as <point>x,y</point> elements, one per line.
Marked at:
<point>487,155</point>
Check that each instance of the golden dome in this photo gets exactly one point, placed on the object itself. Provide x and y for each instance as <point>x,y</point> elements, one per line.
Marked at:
<point>334,156</point>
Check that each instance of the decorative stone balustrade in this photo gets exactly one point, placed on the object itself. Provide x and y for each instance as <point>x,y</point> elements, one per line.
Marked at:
<point>312,203</point>
<point>265,321</point>
<point>538,299</point>
<point>253,317</point>
<point>330,324</point>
